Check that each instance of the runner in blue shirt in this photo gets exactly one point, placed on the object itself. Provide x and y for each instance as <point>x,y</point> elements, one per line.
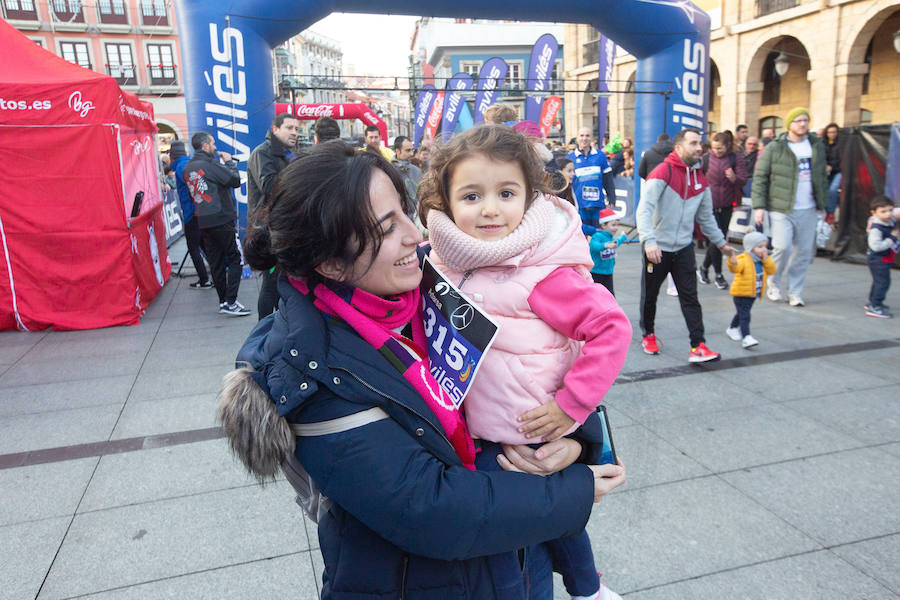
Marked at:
<point>592,172</point>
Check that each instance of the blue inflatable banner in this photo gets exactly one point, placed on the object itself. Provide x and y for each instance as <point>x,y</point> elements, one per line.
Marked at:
<point>459,333</point>
<point>424,101</point>
<point>490,78</point>
<point>607,56</point>
<point>543,57</point>
<point>453,103</point>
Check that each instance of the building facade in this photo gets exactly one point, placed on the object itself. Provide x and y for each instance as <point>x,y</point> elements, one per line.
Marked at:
<point>443,47</point>
<point>133,41</point>
<point>840,58</point>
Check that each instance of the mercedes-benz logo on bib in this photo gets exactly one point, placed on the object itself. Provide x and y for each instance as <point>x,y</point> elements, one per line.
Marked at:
<point>462,317</point>
<point>82,107</point>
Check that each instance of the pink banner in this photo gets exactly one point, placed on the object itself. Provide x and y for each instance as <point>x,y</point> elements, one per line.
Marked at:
<point>548,113</point>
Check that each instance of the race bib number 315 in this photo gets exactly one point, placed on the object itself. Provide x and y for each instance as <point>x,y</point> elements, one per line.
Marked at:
<point>459,333</point>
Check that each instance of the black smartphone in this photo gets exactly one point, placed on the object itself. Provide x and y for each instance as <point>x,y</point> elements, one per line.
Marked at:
<point>608,454</point>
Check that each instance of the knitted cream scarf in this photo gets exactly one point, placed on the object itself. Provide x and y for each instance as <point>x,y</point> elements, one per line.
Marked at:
<point>462,252</point>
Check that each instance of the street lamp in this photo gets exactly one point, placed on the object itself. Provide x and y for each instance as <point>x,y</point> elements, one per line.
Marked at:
<point>781,64</point>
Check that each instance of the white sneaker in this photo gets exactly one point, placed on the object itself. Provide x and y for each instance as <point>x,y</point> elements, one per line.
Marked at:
<point>672,291</point>
<point>774,294</point>
<point>795,300</point>
<point>604,593</point>
<point>749,341</point>
<point>734,333</point>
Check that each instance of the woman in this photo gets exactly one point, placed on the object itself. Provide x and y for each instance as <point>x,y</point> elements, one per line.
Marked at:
<point>409,518</point>
<point>562,186</point>
<point>833,167</point>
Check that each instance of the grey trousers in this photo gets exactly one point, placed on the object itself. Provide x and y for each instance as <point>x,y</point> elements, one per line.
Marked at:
<point>793,244</point>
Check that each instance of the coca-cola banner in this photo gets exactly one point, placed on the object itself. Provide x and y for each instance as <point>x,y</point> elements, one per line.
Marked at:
<point>424,102</point>
<point>607,56</point>
<point>434,119</point>
<point>543,56</point>
<point>548,114</point>
<point>453,102</point>
<point>310,112</point>
<point>490,79</point>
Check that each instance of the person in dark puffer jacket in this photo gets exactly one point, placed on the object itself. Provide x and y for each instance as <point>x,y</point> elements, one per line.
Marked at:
<point>407,518</point>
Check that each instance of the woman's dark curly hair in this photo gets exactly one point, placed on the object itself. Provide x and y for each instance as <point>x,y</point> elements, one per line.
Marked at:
<point>496,142</point>
<point>319,210</point>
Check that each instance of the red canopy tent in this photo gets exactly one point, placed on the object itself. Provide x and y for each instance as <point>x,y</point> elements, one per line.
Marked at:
<point>75,151</point>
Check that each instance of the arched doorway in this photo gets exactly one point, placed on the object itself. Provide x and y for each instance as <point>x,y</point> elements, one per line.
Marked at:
<point>777,77</point>
<point>627,121</point>
<point>714,116</point>
<point>872,95</point>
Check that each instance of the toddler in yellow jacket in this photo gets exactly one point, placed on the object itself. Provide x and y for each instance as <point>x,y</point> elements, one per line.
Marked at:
<point>750,271</point>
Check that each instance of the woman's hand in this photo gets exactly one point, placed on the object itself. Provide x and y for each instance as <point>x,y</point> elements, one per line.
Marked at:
<point>549,458</point>
<point>607,478</point>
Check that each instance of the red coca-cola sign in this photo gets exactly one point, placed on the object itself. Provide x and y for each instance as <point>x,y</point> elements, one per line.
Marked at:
<point>548,114</point>
<point>314,111</point>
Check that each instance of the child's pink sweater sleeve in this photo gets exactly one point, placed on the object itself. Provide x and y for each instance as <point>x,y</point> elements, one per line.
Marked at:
<point>584,311</point>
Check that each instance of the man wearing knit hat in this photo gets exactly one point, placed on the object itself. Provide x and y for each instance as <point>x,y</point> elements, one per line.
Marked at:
<point>791,185</point>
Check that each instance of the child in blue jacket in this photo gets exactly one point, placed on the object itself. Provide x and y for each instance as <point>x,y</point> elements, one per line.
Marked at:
<point>603,248</point>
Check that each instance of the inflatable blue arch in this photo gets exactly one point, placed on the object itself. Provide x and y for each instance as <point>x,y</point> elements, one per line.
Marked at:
<point>227,63</point>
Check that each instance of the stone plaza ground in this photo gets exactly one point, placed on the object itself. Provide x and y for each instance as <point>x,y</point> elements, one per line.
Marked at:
<point>771,474</point>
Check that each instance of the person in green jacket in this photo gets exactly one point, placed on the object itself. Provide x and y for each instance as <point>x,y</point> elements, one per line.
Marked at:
<point>791,185</point>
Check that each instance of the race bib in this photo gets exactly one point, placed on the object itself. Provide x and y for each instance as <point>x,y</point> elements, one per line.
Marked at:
<point>459,333</point>
<point>590,194</point>
<point>608,253</point>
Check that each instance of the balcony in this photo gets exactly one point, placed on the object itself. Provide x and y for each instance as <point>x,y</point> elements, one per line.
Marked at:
<point>767,7</point>
<point>162,75</point>
<point>123,74</point>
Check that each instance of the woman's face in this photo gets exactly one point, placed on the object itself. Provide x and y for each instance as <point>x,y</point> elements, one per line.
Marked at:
<point>569,172</point>
<point>395,269</point>
<point>831,133</point>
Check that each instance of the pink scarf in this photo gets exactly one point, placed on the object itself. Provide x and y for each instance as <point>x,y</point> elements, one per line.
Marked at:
<point>374,319</point>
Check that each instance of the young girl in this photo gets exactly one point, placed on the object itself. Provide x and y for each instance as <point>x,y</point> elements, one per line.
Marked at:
<point>520,255</point>
<point>750,271</point>
<point>603,248</point>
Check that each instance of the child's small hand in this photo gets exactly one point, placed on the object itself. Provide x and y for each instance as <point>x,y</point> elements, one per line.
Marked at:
<point>611,245</point>
<point>732,260</point>
<point>547,420</point>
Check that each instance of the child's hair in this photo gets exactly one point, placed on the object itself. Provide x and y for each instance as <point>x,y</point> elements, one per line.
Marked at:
<point>497,142</point>
<point>879,201</point>
<point>499,114</point>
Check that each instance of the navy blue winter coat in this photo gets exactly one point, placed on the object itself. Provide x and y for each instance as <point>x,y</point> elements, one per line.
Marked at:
<point>408,520</point>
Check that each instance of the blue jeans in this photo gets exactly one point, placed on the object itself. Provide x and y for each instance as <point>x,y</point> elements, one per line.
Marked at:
<point>742,305</point>
<point>572,557</point>
<point>881,280</point>
<point>834,189</point>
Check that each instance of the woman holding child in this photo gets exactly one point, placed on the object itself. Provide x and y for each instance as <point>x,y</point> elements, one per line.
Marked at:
<point>410,517</point>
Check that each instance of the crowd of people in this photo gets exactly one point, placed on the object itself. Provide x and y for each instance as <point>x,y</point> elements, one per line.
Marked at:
<point>334,383</point>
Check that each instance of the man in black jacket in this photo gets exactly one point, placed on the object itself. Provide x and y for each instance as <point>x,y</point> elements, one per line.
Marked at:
<point>655,155</point>
<point>266,161</point>
<point>210,183</point>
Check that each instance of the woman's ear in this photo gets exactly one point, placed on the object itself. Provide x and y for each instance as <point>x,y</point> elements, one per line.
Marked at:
<point>332,269</point>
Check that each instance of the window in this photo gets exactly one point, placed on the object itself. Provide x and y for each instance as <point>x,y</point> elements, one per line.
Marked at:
<point>766,7</point>
<point>20,9</point>
<point>153,12</point>
<point>38,42</point>
<point>471,67</point>
<point>868,61</point>
<point>773,123</point>
<point>76,52</point>
<point>112,12</point>
<point>771,81</point>
<point>555,83</point>
<point>865,116</point>
<point>516,81</point>
<point>162,65</point>
<point>67,11</point>
<point>120,64</point>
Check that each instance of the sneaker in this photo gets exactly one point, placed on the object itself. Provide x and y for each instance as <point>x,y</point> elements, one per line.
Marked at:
<point>235,309</point>
<point>734,333</point>
<point>703,275</point>
<point>721,283</point>
<point>749,341</point>
<point>703,354</point>
<point>795,300</point>
<point>604,593</point>
<point>649,344</point>
<point>201,285</point>
<point>878,311</point>
<point>672,291</point>
<point>774,294</point>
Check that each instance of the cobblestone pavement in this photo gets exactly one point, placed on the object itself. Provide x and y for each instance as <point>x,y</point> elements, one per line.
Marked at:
<point>770,474</point>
